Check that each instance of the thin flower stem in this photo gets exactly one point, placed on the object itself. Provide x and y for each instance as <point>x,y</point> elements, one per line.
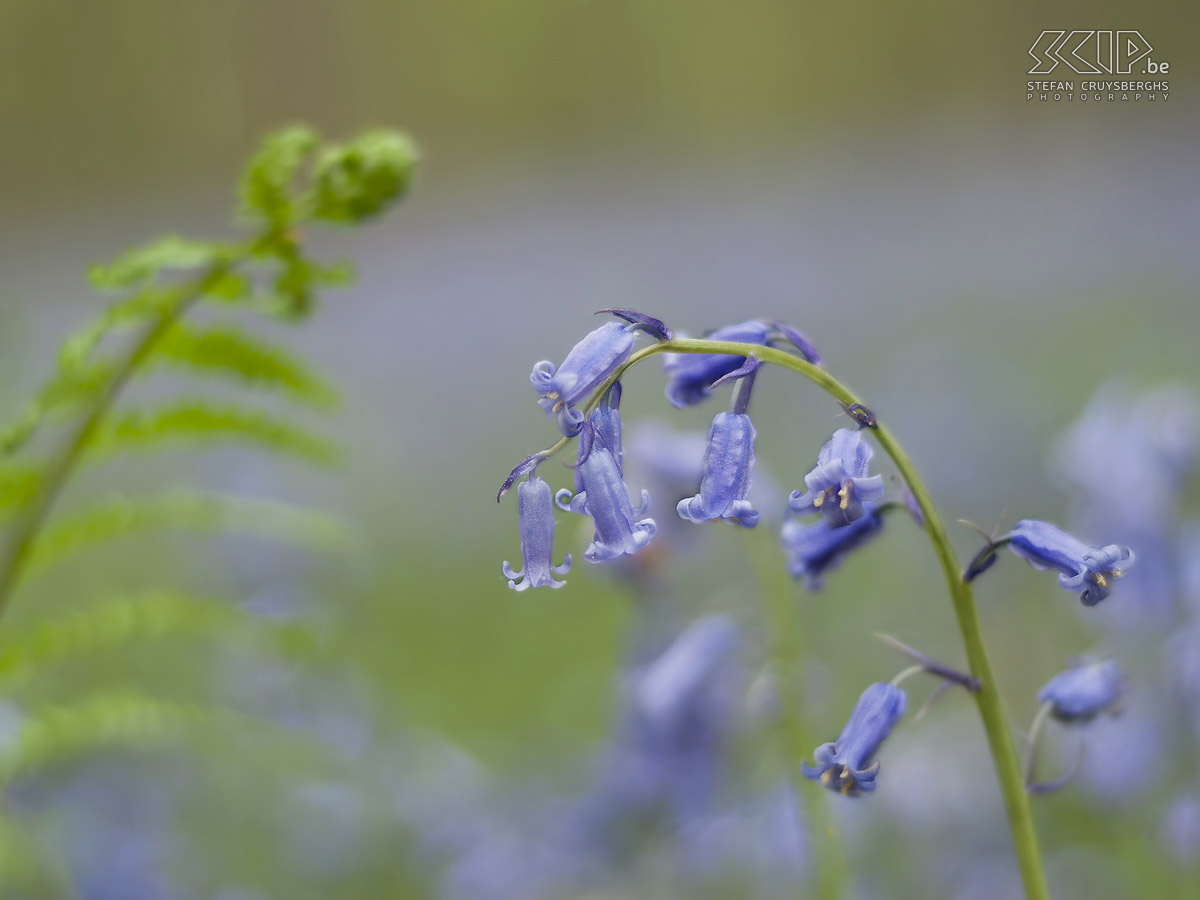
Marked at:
<point>15,553</point>
<point>907,674</point>
<point>987,698</point>
<point>1035,732</point>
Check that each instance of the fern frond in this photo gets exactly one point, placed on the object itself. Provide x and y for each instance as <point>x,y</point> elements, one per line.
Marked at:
<point>233,352</point>
<point>120,621</point>
<point>110,622</point>
<point>196,421</point>
<point>188,510</point>
<point>140,265</point>
<point>103,721</point>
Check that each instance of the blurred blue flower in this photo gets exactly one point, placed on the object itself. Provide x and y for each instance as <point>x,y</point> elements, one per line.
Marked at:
<point>813,549</point>
<point>1131,452</point>
<point>606,499</point>
<point>690,375</point>
<point>1047,546</point>
<point>680,711</point>
<point>1126,462</point>
<point>1081,692</point>
<point>840,483</point>
<point>537,539</point>
<point>845,764</point>
<point>1180,832</point>
<point>585,368</point>
<point>728,462</point>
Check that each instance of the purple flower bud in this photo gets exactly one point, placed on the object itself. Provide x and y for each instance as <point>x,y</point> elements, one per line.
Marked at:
<point>813,549</point>
<point>845,765</point>
<point>537,539</point>
<point>586,367</point>
<point>728,461</point>
<point>690,375</point>
<point>839,484</point>
<point>1079,693</point>
<point>1091,569</point>
<point>606,499</point>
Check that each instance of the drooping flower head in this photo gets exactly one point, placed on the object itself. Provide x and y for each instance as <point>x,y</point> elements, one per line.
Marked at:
<point>845,764</point>
<point>728,462</point>
<point>1080,567</point>
<point>585,368</point>
<point>589,364</point>
<point>537,539</point>
<point>840,483</point>
<point>1080,693</point>
<point>814,549</point>
<point>619,528</point>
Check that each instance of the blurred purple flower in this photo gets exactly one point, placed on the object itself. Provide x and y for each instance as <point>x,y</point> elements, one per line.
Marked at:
<point>814,549</point>
<point>537,539</point>
<point>585,368</point>
<point>1181,828</point>
<point>1129,452</point>
<point>845,764</point>
<point>840,483</point>
<point>1082,692</point>
<point>1126,462</point>
<point>728,461</point>
<point>1046,546</point>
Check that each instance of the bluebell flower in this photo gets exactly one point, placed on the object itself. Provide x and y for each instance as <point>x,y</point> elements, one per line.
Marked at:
<point>845,765</point>
<point>728,461</point>
<point>814,549</point>
<point>619,528</point>
<point>840,483</point>
<point>606,428</point>
<point>1080,567</point>
<point>537,539</point>
<point>586,367</point>
<point>690,375</point>
<point>1079,693</point>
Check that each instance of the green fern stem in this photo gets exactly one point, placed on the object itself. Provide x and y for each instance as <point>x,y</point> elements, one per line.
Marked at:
<point>987,698</point>
<point>28,523</point>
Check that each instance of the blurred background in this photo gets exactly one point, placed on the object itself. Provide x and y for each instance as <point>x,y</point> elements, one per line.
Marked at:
<point>978,266</point>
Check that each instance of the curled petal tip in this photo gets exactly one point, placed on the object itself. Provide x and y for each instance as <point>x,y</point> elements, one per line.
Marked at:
<point>652,326</point>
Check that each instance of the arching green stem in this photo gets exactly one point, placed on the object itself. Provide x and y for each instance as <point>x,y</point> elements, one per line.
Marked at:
<point>987,698</point>
<point>25,528</point>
